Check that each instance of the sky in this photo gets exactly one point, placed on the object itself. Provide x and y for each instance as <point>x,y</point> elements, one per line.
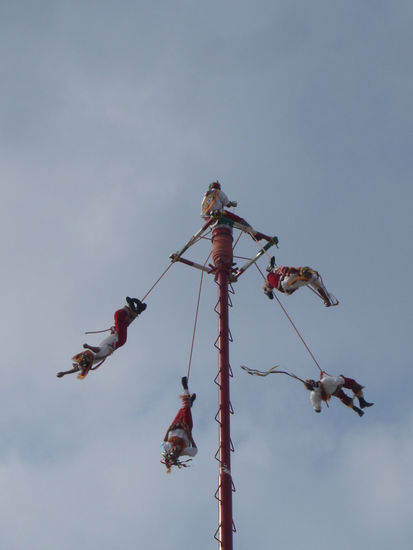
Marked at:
<point>114,118</point>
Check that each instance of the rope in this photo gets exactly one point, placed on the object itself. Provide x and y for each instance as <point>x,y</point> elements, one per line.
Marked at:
<point>272,370</point>
<point>149,291</point>
<point>258,242</point>
<point>242,258</point>
<point>201,237</point>
<point>294,327</point>
<point>98,365</point>
<point>157,281</point>
<point>236,242</point>
<point>196,317</point>
<point>307,286</point>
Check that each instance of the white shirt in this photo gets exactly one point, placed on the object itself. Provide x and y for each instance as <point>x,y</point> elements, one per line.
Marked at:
<point>179,432</point>
<point>220,203</point>
<point>188,451</point>
<point>330,385</point>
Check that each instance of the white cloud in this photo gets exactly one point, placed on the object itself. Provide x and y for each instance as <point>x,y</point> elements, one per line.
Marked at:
<point>113,123</point>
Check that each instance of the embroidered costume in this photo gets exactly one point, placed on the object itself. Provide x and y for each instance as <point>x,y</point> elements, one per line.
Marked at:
<point>178,440</point>
<point>289,279</point>
<point>94,356</point>
<point>332,385</point>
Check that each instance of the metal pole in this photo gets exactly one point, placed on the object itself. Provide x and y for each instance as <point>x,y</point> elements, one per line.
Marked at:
<point>225,480</point>
<point>223,256</point>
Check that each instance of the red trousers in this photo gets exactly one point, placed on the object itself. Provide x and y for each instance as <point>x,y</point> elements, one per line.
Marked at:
<point>350,384</point>
<point>184,417</point>
<point>236,218</point>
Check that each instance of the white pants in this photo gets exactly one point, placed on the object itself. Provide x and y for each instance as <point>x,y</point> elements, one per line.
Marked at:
<point>288,287</point>
<point>106,347</point>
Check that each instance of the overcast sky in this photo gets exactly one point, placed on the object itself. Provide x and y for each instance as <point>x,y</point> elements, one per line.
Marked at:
<point>114,118</point>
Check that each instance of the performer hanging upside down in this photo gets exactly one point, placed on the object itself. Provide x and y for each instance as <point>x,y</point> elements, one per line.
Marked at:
<point>289,279</point>
<point>332,385</point>
<point>95,355</point>
<point>178,440</point>
<point>216,201</point>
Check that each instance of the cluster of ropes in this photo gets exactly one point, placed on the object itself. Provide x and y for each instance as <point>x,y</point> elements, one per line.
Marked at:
<point>250,371</point>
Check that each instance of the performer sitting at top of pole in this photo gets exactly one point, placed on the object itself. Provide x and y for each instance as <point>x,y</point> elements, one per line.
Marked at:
<point>216,201</point>
<point>95,355</point>
<point>178,440</point>
<point>289,279</point>
<point>332,385</point>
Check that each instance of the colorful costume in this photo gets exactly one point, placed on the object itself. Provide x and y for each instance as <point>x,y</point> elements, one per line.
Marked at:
<point>118,334</point>
<point>332,385</point>
<point>216,200</point>
<point>94,356</point>
<point>178,439</point>
<point>289,279</point>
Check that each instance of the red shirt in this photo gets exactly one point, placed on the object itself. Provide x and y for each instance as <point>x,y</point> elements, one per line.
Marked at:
<point>122,321</point>
<point>275,277</point>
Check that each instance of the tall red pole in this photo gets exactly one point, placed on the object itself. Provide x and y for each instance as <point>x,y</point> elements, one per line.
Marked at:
<point>223,256</point>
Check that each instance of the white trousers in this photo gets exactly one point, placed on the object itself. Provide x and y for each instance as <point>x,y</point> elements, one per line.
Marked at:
<point>288,287</point>
<point>106,347</point>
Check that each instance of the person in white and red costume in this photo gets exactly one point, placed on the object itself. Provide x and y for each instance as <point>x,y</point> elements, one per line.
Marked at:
<point>332,386</point>
<point>94,356</point>
<point>215,200</point>
<point>288,279</point>
<point>178,440</point>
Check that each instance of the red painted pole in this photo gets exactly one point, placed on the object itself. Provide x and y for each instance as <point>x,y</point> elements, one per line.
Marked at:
<point>222,255</point>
